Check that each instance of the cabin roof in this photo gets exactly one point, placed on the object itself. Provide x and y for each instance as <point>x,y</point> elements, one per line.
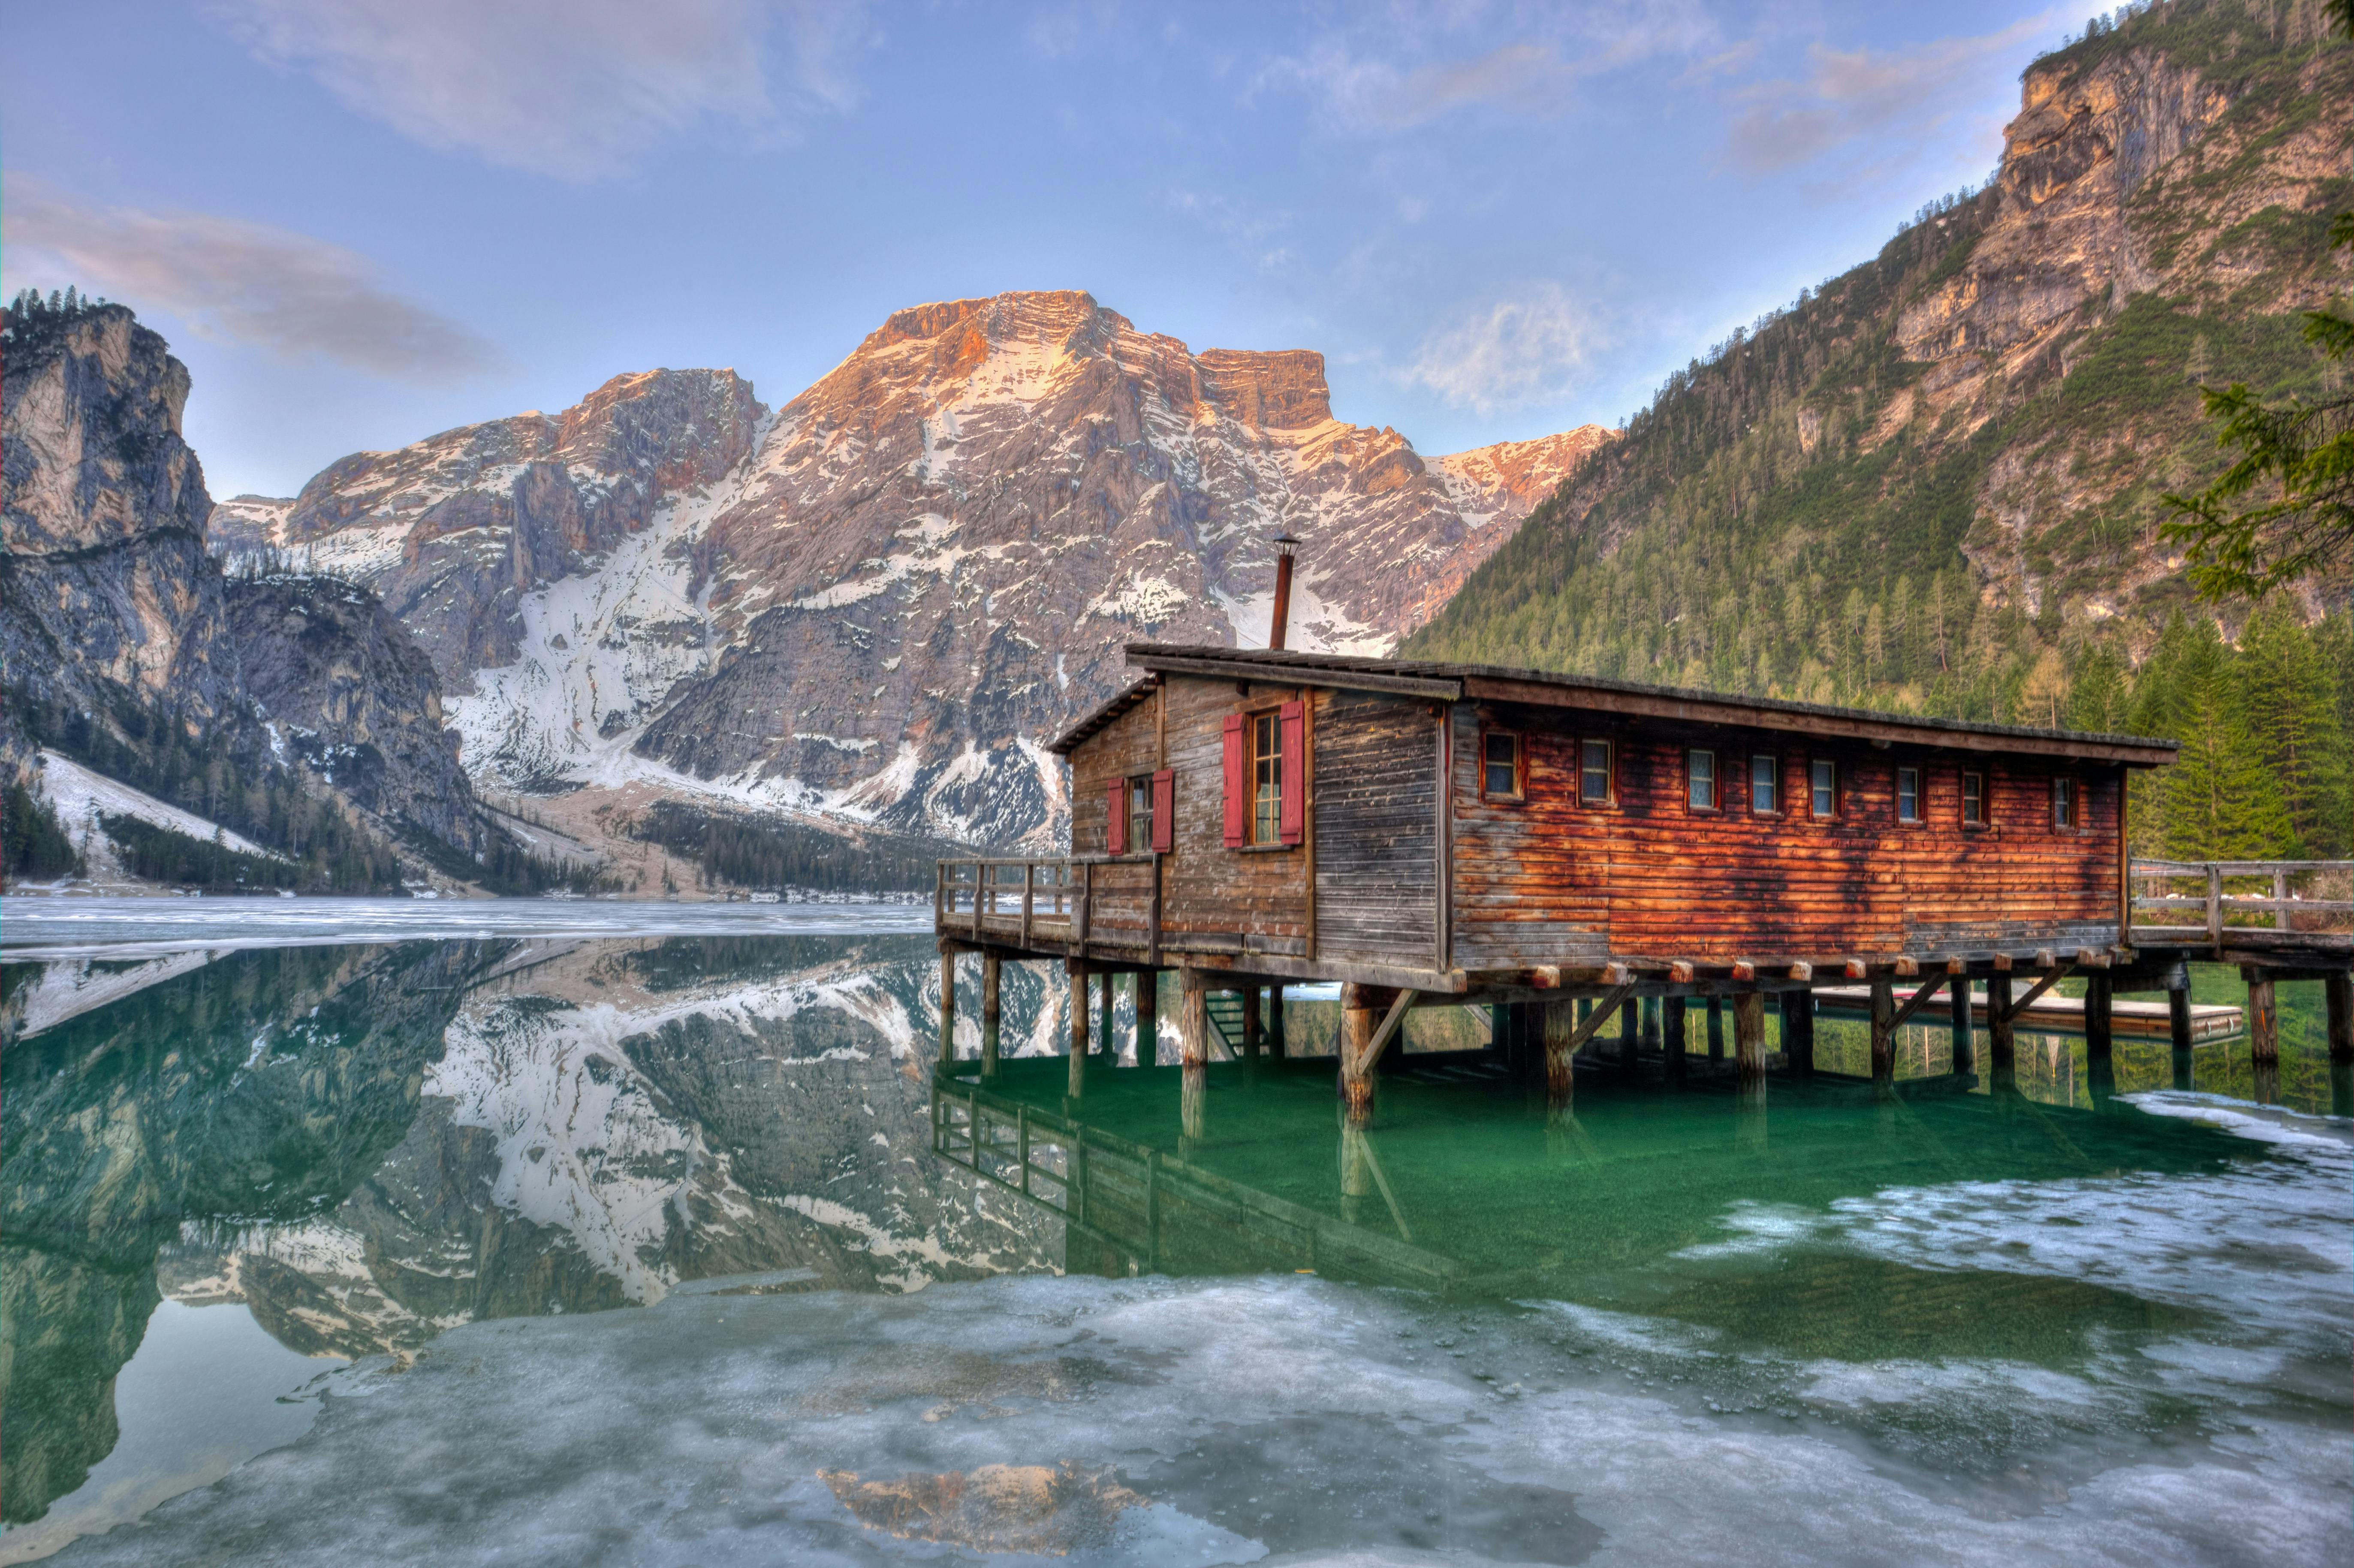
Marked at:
<point>1538,688</point>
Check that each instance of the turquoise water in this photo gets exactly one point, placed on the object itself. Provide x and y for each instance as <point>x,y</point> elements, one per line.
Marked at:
<point>587,1249</point>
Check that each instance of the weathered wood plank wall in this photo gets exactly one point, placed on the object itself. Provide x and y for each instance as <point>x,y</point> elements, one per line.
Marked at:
<point>1545,880</point>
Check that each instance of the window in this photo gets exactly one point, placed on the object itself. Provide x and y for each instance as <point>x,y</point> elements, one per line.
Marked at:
<point>1500,766</point>
<point>1822,788</point>
<point>1699,781</point>
<point>2063,803</point>
<point>1140,813</point>
<point>1908,794</point>
<point>1765,785</point>
<point>1266,780</point>
<point>1974,813</point>
<point>1593,781</point>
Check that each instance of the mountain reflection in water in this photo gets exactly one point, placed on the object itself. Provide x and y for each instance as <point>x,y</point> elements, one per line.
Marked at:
<point>1992,1303</point>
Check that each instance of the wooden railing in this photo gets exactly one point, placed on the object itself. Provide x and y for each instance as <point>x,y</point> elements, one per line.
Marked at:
<point>2243,896</point>
<point>1069,900</point>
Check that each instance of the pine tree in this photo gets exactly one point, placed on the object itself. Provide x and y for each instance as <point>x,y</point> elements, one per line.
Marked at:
<point>2287,698</point>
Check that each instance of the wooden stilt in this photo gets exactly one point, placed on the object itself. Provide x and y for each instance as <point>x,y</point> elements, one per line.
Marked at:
<point>1883,1031</point>
<point>1108,1048</point>
<point>2002,1053</point>
<point>1652,1038</point>
<point>1717,1029</point>
<point>1958,1004</point>
<point>2097,996</point>
<point>1275,1042</point>
<point>1749,1035</point>
<point>991,966</point>
<point>1079,1031</point>
<point>1798,1030</point>
<point>2264,1018</point>
<point>1250,1023</point>
<point>1672,1030</point>
<point>2338,1000</point>
<point>1631,1037</point>
<point>1148,1018</point>
<point>948,1011</point>
<point>1193,1049</point>
<point>1558,1023</point>
<point>1359,1006</point>
<point>2178,1019</point>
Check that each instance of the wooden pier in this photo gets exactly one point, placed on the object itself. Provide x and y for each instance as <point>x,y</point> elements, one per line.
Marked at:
<point>1576,854</point>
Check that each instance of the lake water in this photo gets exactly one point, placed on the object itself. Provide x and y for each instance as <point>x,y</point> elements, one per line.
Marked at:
<point>510,1237</point>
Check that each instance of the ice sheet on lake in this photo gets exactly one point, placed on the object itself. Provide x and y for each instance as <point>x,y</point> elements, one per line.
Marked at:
<point>1274,1416</point>
<point>140,927</point>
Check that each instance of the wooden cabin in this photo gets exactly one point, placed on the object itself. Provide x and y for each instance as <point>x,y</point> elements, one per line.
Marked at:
<point>1443,826</point>
<point>1426,833</point>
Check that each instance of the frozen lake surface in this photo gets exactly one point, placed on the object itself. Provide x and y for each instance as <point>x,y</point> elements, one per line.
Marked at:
<point>72,927</point>
<point>544,1246</point>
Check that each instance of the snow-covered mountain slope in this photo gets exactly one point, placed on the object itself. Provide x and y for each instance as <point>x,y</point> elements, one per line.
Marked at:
<point>876,605</point>
<point>81,799</point>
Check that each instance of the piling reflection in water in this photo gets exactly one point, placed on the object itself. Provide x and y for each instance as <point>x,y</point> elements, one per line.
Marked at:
<point>1466,1182</point>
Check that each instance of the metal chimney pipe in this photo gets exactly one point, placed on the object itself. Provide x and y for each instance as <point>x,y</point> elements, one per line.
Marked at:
<point>1284,545</point>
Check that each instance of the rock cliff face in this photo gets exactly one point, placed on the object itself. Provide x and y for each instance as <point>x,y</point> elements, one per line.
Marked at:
<point>112,609</point>
<point>361,703</point>
<point>877,604</point>
<point>1984,417</point>
<point>105,593</point>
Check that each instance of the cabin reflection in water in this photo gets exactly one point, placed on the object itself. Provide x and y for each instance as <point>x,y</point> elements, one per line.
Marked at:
<point>1470,1184</point>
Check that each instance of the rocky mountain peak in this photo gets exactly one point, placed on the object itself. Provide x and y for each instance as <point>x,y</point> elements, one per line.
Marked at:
<point>876,604</point>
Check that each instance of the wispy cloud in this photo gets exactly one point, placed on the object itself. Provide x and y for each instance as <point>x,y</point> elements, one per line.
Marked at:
<point>248,282</point>
<point>575,88</point>
<point>1534,343</point>
<point>1384,77</point>
<point>1857,100</point>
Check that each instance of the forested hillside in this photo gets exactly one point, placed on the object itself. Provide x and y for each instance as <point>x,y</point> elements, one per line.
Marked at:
<point>1933,485</point>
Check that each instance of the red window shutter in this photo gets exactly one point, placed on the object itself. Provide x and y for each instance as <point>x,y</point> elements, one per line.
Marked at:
<point>1295,772</point>
<point>1117,842</point>
<point>1237,785</point>
<point>1164,811</point>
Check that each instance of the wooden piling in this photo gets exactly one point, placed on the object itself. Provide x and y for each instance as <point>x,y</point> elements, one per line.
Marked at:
<point>1079,1031</point>
<point>2264,1019</point>
<point>1957,1005</point>
<point>1749,1035</point>
<point>1672,1030</point>
<point>991,966</point>
<point>1250,1023</point>
<point>1717,1029</point>
<point>1798,1030</point>
<point>1148,1018</point>
<point>1193,1049</point>
<point>2338,1000</point>
<point>1559,1024</point>
<point>2098,993</point>
<point>1275,1042</point>
<point>1883,1031</point>
<point>2002,1053</point>
<point>1358,1020</point>
<point>948,1011</point>
<point>1106,1047</point>
<point>1652,1038</point>
<point>1630,1038</point>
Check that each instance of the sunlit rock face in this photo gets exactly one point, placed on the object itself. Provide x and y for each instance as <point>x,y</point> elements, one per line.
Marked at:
<point>878,603</point>
<point>105,593</point>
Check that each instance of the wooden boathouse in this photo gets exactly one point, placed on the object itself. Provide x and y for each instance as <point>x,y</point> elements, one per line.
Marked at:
<point>1566,849</point>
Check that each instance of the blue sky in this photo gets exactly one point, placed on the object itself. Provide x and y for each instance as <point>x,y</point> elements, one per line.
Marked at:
<point>363,221</point>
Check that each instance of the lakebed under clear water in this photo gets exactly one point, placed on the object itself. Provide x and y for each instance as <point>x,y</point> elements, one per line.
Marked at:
<point>634,1247</point>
